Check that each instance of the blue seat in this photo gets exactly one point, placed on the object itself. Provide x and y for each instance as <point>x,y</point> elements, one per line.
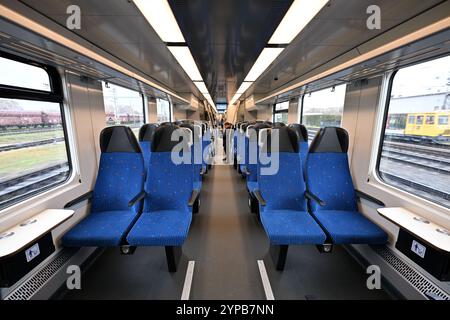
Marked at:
<point>302,138</point>
<point>167,212</point>
<point>145,141</point>
<point>120,179</point>
<point>241,146</point>
<point>328,177</point>
<point>281,196</point>
<point>196,154</point>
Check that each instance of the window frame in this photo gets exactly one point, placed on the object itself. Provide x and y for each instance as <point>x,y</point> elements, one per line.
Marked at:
<point>274,111</point>
<point>143,100</point>
<point>55,95</point>
<point>385,110</point>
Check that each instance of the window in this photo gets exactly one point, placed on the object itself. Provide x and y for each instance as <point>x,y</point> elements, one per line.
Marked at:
<point>323,108</point>
<point>34,154</point>
<point>280,112</point>
<point>443,120</point>
<point>123,107</point>
<point>162,110</point>
<point>416,158</point>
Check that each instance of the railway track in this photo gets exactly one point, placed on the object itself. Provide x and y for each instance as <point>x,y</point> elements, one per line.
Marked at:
<point>13,188</point>
<point>24,145</point>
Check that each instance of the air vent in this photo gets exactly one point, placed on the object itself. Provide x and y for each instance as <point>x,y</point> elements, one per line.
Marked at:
<point>27,289</point>
<point>420,282</point>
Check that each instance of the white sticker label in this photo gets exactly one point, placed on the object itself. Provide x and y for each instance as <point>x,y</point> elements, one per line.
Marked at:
<point>32,252</point>
<point>418,249</point>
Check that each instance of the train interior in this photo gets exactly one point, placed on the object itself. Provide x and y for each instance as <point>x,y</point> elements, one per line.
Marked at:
<point>225,150</point>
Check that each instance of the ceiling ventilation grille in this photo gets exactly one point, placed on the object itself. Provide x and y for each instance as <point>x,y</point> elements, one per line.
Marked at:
<point>420,282</point>
<point>27,289</point>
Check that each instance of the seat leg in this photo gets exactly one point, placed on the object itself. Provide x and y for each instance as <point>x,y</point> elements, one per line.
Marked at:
<point>173,255</point>
<point>325,248</point>
<point>279,255</point>
<point>127,249</point>
<point>196,207</point>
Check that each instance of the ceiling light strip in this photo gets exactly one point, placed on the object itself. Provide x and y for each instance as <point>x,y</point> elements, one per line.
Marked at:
<point>393,45</point>
<point>35,27</point>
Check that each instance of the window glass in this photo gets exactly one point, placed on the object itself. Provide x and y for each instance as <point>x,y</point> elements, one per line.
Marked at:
<point>33,149</point>
<point>162,110</point>
<point>18,74</point>
<point>415,155</point>
<point>281,117</point>
<point>323,108</point>
<point>123,107</point>
<point>282,106</point>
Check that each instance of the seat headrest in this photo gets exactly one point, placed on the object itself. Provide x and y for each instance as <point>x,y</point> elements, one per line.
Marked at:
<point>162,140</point>
<point>195,131</point>
<point>164,124</point>
<point>278,125</point>
<point>253,135</point>
<point>301,131</point>
<point>118,139</point>
<point>330,140</point>
<point>287,140</point>
<point>147,132</point>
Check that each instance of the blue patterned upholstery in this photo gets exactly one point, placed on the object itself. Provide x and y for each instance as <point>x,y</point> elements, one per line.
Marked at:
<point>285,217</point>
<point>328,177</point>
<point>291,227</point>
<point>166,216</point>
<point>100,229</point>
<point>120,178</point>
<point>160,228</point>
<point>146,147</point>
<point>352,227</point>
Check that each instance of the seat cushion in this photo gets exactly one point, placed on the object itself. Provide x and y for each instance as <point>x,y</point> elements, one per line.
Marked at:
<point>160,228</point>
<point>350,227</point>
<point>100,229</point>
<point>285,227</point>
<point>252,186</point>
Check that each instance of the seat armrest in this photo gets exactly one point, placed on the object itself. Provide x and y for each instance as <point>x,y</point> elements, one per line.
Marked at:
<point>81,198</point>
<point>137,198</point>
<point>365,196</point>
<point>315,198</point>
<point>194,196</point>
<point>259,197</point>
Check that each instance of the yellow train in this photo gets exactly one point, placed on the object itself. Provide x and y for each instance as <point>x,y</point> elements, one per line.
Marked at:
<point>429,126</point>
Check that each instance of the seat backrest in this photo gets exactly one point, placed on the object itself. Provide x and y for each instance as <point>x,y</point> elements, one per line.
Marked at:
<point>253,149</point>
<point>196,149</point>
<point>121,171</point>
<point>302,138</point>
<point>284,190</point>
<point>146,134</point>
<point>169,183</point>
<point>327,170</point>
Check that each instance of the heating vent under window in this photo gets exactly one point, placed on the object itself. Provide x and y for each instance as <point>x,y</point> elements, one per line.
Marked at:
<point>27,289</point>
<point>420,282</point>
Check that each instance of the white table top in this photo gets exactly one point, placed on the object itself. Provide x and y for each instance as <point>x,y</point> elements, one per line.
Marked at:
<point>419,226</point>
<point>19,236</point>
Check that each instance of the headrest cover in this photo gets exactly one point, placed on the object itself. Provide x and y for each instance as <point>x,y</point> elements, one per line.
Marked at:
<point>162,140</point>
<point>330,140</point>
<point>195,130</point>
<point>278,125</point>
<point>301,131</point>
<point>118,139</point>
<point>147,132</point>
<point>287,140</point>
<point>257,128</point>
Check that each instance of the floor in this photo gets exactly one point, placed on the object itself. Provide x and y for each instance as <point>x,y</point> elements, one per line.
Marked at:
<point>225,241</point>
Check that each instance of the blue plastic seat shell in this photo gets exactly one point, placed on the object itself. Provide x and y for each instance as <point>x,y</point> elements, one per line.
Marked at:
<point>350,227</point>
<point>288,227</point>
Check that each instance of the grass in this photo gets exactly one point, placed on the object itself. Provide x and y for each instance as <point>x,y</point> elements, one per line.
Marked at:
<point>29,137</point>
<point>16,163</point>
